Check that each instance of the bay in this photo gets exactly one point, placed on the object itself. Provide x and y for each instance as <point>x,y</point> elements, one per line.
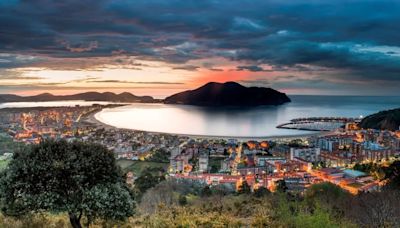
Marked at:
<point>239,121</point>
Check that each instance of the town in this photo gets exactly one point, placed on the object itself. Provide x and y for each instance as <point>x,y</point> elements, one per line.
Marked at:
<point>292,163</point>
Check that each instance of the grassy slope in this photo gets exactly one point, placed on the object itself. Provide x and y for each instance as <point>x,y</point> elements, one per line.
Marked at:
<point>137,167</point>
<point>3,164</point>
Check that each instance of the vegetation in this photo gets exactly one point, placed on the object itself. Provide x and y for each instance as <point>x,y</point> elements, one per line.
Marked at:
<point>244,188</point>
<point>388,120</point>
<point>138,167</point>
<point>390,172</point>
<point>146,181</point>
<point>159,156</point>
<point>221,209</point>
<point>215,164</point>
<point>88,96</point>
<point>228,94</point>
<point>3,164</point>
<point>77,178</point>
<point>185,204</point>
<point>7,145</point>
<point>58,186</point>
<point>296,143</point>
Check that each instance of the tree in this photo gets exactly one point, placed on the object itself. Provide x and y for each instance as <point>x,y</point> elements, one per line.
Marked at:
<point>146,181</point>
<point>182,200</point>
<point>79,178</point>
<point>261,191</point>
<point>375,209</point>
<point>206,191</point>
<point>160,155</point>
<point>281,186</point>
<point>393,174</point>
<point>329,197</point>
<point>244,188</point>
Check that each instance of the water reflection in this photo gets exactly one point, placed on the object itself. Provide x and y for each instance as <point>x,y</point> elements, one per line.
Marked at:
<point>244,122</point>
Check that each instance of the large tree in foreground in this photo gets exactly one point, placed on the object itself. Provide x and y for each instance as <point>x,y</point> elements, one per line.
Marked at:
<point>79,178</point>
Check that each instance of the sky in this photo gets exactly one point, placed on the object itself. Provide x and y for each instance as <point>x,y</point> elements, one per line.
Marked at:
<point>159,47</point>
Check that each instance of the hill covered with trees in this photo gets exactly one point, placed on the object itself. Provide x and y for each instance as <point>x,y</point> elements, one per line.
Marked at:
<point>384,120</point>
<point>59,184</point>
<point>228,94</point>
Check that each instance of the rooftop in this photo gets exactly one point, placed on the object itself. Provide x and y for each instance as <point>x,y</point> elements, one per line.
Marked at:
<point>354,173</point>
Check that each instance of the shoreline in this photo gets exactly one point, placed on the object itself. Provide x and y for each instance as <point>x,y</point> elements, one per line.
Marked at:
<point>93,120</point>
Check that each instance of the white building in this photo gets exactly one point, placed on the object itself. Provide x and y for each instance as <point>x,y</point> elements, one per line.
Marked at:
<point>203,162</point>
<point>308,154</point>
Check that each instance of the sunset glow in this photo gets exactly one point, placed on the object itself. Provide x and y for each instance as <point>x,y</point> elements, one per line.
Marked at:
<point>117,46</point>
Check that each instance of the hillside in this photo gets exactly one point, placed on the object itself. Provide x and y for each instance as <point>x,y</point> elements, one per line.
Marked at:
<point>228,94</point>
<point>388,120</point>
<point>88,96</point>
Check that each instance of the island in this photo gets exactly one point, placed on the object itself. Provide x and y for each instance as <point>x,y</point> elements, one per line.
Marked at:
<point>88,96</point>
<point>228,94</point>
<point>384,120</point>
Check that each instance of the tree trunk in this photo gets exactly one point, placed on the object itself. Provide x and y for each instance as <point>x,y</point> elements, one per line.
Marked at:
<point>75,221</point>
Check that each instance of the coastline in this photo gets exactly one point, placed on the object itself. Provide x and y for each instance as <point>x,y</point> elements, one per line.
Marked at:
<point>93,120</point>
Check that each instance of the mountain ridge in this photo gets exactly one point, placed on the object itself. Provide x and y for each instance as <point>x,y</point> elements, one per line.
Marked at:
<point>86,96</point>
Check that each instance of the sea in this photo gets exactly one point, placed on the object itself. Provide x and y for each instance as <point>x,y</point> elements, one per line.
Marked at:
<point>241,122</point>
<point>229,121</point>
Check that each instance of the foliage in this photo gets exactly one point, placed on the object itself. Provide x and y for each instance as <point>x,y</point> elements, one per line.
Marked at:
<point>4,164</point>
<point>79,178</point>
<point>159,156</point>
<point>182,200</point>
<point>167,193</point>
<point>243,211</point>
<point>327,192</point>
<point>281,186</point>
<point>296,143</point>
<point>35,221</point>
<point>393,174</point>
<point>206,191</point>
<point>146,181</point>
<point>388,120</point>
<point>390,172</point>
<point>323,205</point>
<point>376,209</point>
<point>261,192</point>
<point>374,169</point>
<point>215,164</point>
<point>244,188</point>
<point>138,167</point>
<point>7,144</point>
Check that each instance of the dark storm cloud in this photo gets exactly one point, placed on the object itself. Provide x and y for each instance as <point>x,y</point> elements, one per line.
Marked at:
<point>284,34</point>
<point>186,67</point>
<point>252,68</point>
<point>16,60</point>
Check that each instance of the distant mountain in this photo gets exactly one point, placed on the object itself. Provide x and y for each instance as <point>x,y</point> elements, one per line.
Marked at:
<point>384,120</point>
<point>89,96</point>
<point>228,94</point>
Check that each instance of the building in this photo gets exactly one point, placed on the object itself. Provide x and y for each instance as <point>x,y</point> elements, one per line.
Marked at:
<point>308,154</point>
<point>337,158</point>
<point>203,162</point>
<point>375,152</point>
<point>334,142</point>
<point>262,160</point>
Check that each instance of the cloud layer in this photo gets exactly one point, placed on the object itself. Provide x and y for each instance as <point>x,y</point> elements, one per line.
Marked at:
<point>338,42</point>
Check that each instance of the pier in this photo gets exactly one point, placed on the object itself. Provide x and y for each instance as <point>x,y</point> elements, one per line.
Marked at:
<point>318,123</point>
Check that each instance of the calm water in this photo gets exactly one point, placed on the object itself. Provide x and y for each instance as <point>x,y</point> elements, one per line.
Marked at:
<point>240,122</point>
<point>50,104</point>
